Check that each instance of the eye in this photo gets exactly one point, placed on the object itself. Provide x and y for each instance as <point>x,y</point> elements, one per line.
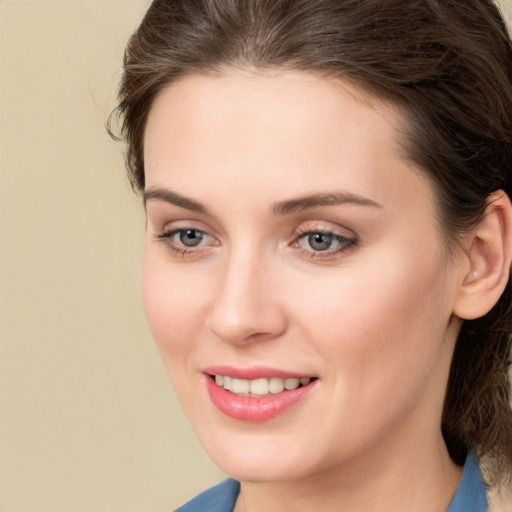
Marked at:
<point>190,237</point>
<point>186,241</point>
<point>323,243</point>
<point>320,241</point>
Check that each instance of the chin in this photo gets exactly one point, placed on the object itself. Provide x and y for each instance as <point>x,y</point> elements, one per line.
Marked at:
<point>269,470</point>
<point>260,458</point>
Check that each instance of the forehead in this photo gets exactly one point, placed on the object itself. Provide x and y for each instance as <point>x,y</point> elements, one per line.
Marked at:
<point>267,100</point>
<point>281,131</point>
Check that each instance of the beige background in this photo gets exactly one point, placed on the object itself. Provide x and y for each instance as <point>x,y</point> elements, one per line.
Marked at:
<point>88,421</point>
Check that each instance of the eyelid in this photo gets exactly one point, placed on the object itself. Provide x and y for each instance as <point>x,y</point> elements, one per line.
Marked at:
<point>165,224</point>
<point>166,236</point>
<point>347,241</point>
<point>181,224</point>
<point>169,232</point>
<point>325,227</point>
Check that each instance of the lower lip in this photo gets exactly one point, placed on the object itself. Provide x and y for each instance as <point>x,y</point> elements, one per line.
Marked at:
<point>248,408</point>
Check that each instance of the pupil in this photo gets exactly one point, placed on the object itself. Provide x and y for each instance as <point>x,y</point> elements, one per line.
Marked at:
<point>320,241</point>
<point>191,237</point>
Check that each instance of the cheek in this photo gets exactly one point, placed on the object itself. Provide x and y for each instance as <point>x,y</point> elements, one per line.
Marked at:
<point>173,309</point>
<point>376,322</point>
<point>172,306</point>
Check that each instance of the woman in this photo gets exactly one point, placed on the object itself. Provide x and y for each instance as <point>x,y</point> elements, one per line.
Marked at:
<point>328,246</point>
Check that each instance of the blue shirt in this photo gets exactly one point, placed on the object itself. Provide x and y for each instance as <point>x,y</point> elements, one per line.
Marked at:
<point>471,495</point>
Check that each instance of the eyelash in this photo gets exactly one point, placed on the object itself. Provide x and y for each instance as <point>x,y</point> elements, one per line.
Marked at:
<point>346,243</point>
<point>181,251</point>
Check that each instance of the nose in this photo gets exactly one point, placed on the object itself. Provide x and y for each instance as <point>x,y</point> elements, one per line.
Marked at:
<point>246,308</point>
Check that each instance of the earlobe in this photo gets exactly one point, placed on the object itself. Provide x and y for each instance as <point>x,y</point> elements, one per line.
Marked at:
<point>488,262</point>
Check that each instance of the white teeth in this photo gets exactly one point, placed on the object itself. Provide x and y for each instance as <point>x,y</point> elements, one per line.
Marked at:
<point>260,387</point>
<point>240,386</point>
<point>276,385</point>
<point>291,384</point>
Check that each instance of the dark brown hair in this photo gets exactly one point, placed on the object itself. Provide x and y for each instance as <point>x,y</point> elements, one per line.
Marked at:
<point>446,64</point>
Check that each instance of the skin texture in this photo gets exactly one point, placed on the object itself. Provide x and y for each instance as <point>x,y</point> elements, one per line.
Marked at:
<point>374,321</point>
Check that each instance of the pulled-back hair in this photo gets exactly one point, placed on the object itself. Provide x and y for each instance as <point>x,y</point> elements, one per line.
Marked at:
<point>447,66</point>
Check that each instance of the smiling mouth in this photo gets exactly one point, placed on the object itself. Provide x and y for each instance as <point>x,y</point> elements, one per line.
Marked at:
<point>262,398</point>
<point>260,387</point>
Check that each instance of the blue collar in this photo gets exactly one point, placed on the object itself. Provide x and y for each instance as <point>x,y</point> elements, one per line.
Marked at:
<point>220,498</point>
<point>471,494</point>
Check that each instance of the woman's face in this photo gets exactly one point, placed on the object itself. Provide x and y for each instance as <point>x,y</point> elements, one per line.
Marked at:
<point>288,238</point>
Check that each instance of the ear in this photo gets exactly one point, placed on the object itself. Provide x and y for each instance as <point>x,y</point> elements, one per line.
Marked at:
<point>487,260</point>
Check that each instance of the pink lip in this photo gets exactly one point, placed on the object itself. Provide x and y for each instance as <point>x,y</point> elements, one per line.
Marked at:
<point>256,372</point>
<point>248,408</point>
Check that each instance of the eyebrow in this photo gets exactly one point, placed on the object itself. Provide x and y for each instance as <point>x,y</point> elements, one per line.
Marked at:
<point>281,208</point>
<point>162,194</point>
<point>323,199</point>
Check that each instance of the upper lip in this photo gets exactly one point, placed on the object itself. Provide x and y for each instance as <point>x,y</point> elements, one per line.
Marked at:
<point>254,372</point>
